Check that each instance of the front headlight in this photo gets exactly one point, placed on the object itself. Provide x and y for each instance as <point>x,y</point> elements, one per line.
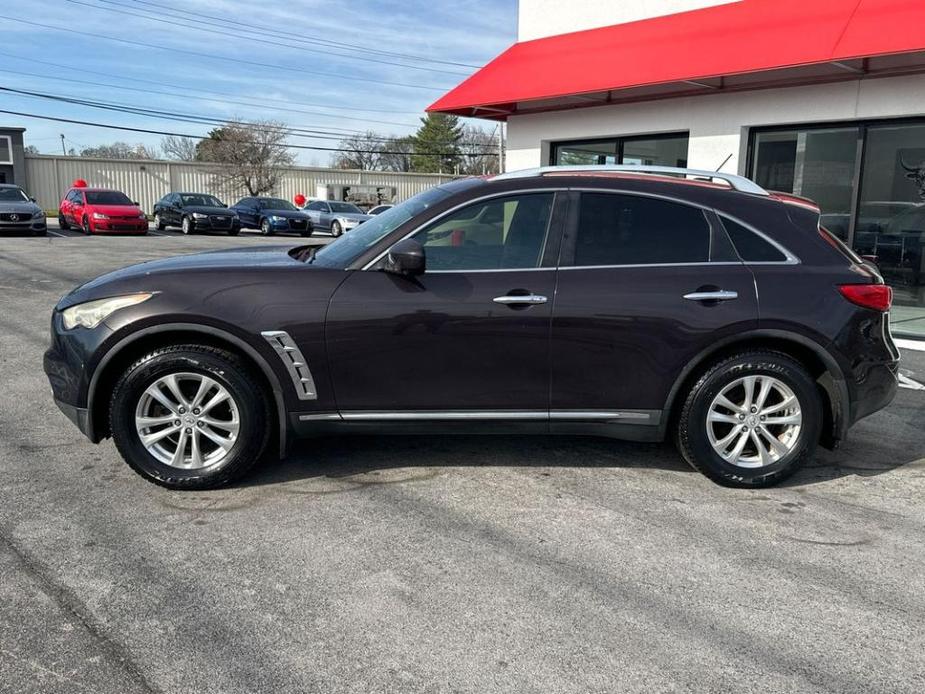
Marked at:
<point>277,218</point>
<point>200,215</point>
<point>142,215</point>
<point>100,215</point>
<point>38,214</point>
<point>92,313</point>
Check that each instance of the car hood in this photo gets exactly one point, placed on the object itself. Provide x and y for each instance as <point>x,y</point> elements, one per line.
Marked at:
<point>214,211</point>
<point>224,267</point>
<point>116,210</point>
<point>23,207</point>
<point>352,216</point>
<point>288,214</point>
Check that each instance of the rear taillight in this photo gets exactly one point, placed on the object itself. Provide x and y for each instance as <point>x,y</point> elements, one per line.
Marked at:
<point>878,297</point>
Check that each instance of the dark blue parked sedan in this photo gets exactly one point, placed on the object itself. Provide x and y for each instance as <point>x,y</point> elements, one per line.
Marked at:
<point>272,215</point>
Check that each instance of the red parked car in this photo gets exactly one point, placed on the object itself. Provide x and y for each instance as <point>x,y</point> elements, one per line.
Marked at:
<point>101,211</point>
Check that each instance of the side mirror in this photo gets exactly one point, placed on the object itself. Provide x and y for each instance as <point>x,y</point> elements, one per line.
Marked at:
<point>135,203</point>
<point>32,199</point>
<point>406,258</point>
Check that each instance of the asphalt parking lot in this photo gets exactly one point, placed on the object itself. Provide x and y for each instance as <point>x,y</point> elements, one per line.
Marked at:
<point>401,564</point>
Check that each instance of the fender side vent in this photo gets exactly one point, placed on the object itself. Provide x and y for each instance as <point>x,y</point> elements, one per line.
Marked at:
<point>294,363</point>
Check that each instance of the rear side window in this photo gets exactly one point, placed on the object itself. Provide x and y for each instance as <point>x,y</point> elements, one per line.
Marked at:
<point>750,246</point>
<point>616,229</point>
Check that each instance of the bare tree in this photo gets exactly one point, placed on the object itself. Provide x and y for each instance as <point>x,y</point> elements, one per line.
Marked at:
<point>120,150</point>
<point>248,155</point>
<point>360,151</point>
<point>179,148</point>
<point>398,154</point>
<point>479,150</point>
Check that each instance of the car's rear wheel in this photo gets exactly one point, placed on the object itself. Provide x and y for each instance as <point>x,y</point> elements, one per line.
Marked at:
<point>190,417</point>
<point>159,222</point>
<point>266,228</point>
<point>336,229</point>
<point>62,223</point>
<point>750,420</point>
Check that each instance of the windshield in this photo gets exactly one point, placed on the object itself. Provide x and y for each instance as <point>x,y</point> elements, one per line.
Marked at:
<point>345,207</point>
<point>349,247</point>
<point>277,204</point>
<point>107,197</point>
<point>200,201</point>
<point>13,195</point>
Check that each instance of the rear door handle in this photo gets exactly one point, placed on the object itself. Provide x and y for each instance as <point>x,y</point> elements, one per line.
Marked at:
<point>517,300</point>
<point>719,295</point>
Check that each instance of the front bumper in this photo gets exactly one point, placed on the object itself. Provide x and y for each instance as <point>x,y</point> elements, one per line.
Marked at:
<point>114,226</point>
<point>302,226</point>
<point>220,225</point>
<point>30,226</point>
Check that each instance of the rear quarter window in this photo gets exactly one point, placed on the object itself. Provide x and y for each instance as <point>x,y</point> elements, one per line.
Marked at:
<point>751,247</point>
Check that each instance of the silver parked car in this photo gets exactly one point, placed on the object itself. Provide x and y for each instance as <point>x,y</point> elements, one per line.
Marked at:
<point>336,217</point>
<point>19,213</point>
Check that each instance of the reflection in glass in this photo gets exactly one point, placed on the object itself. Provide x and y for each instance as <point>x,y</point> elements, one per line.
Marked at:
<point>656,150</point>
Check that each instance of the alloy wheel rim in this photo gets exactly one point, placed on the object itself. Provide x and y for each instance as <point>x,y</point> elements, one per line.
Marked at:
<point>187,421</point>
<point>754,421</point>
<point>186,225</point>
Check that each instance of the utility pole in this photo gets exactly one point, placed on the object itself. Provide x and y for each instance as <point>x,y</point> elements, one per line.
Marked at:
<point>63,148</point>
<point>501,147</point>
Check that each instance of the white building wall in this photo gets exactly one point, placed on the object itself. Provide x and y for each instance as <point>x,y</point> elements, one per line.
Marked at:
<point>539,18</point>
<point>718,123</point>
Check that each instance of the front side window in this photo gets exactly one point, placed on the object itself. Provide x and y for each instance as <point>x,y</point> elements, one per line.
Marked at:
<point>498,234</point>
<point>345,208</point>
<point>277,204</point>
<point>617,229</point>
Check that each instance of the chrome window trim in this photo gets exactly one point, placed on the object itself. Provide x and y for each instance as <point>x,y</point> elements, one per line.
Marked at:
<point>791,258</point>
<point>294,363</point>
<point>446,213</point>
<point>610,267</point>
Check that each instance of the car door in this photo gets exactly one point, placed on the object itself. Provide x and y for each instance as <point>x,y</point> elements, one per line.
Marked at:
<point>313,211</point>
<point>467,339</point>
<point>324,215</point>
<point>247,212</point>
<point>174,211</point>
<point>645,285</point>
<point>77,208</point>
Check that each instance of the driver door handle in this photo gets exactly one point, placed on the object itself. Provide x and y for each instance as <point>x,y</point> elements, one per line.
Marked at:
<point>518,300</point>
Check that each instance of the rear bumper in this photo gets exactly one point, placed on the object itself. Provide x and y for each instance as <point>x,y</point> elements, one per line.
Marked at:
<point>876,391</point>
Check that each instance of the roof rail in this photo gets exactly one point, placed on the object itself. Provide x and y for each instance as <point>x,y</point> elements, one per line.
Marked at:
<point>739,183</point>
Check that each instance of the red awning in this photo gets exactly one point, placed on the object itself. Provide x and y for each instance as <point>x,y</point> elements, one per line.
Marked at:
<point>744,45</point>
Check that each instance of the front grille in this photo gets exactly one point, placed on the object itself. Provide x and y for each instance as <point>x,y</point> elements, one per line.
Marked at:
<point>298,223</point>
<point>20,217</point>
<point>124,227</point>
<point>220,222</point>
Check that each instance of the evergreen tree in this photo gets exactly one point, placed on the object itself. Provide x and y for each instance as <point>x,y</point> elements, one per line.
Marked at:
<point>436,144</point>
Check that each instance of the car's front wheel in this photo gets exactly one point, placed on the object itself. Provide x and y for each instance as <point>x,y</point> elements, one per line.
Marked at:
<point>85,226</point>
<point>266,228</point>
<point>190,417</point>
<point>62,223</point>
<point>751,420</point>
<point>159,222</point>
<point>187,226</point>
<point>336,228</point>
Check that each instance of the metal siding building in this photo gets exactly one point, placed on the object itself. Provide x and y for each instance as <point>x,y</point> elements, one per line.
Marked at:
<point>146,181</point>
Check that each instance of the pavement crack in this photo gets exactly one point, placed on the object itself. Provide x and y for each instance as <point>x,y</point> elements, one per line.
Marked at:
<point>67,600</point>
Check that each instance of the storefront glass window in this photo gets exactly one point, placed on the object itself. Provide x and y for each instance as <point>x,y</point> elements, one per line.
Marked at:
<point>817,164</point>
<point>656,150</point>
<point>891,218</point>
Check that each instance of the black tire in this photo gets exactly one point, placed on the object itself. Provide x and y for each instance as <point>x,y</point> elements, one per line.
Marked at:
<point>234,232</point>
<point>43,232</point>
<point>62,223</point>
<point>187,226</point>
<point>691,430</point>
<point>266,228</point>
<point>336,229</point>
<point>305,233</point>
<point>86,226</point>
<point>222,366</point>
<point>159,222</point>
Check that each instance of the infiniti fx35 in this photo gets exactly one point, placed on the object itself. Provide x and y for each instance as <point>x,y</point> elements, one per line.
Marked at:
<point>633,304</point>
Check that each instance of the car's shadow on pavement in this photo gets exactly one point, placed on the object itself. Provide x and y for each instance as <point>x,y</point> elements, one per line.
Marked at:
<point>338,457</point>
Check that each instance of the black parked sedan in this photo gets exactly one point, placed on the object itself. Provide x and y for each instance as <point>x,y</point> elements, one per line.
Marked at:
<point>272,215</point>
<point>612,302</point>
<point>194,212</point>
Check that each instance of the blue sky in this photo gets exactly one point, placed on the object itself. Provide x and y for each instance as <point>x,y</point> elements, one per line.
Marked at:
<point>302,83</point>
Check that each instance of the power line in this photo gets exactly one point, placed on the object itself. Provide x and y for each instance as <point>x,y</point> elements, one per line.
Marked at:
<point>99,37</point>
<point>148,131</point>
<point>295,131</point>
<point>186,25</point>
<point>307,38</point>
